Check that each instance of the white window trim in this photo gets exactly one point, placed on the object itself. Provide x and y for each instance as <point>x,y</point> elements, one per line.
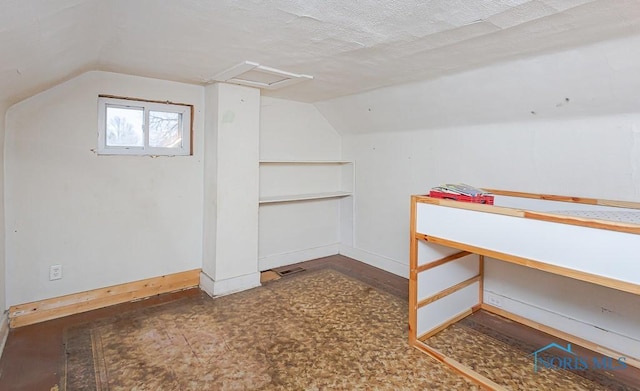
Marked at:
<point>146,150</point>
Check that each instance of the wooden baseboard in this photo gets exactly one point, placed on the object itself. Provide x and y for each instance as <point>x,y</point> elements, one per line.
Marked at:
<point>4,330</point>
<point>57,307</point>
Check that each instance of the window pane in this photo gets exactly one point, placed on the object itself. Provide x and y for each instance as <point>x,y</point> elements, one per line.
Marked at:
<point>124,127</point>
<point>165,129</point>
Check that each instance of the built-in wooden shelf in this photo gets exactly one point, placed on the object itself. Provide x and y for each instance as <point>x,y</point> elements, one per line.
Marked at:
<point>303,197</point>
<point>305,162</point>
<point>293,192</point>
<point>302,180</point>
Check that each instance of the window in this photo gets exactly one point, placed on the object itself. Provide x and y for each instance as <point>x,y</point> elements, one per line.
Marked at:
<point>138,127</point>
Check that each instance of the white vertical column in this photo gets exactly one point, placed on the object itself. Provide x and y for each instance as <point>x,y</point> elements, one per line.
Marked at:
<point>3,283</point>
<point>231,185</point>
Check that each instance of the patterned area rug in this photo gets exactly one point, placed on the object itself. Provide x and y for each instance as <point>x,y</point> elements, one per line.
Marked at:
<point>316,331</point>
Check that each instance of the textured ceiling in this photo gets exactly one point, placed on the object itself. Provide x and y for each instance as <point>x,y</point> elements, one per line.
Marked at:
<point>348,46</point>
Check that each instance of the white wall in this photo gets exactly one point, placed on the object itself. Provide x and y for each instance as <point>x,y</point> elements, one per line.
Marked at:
<point>292,232</point>
<point>597,157</point>
<point>106,219</point>
<point>296,131</point>
<point>3,111</point>
<point>115,219</point>
<point>478,128</point>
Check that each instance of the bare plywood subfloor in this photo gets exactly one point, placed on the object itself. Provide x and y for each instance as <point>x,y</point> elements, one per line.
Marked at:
<point>268,275</point>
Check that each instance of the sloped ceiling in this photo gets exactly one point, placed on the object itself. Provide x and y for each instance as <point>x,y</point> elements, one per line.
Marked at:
<point>348,46</point>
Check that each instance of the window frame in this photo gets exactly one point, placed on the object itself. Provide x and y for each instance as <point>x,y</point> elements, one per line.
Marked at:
<point>185,110</point>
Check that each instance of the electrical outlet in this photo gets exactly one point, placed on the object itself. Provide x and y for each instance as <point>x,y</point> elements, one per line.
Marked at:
<point>494,300</point>
<point>55,272</point>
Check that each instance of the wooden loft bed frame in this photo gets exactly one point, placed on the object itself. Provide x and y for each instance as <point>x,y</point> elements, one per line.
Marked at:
<point>449,241</point>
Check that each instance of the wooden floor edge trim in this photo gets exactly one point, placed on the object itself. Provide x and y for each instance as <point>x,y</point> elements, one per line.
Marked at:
<point>98,293</point>
<point>57,307</point>
<point>459,367</point>
<point>632,361</point>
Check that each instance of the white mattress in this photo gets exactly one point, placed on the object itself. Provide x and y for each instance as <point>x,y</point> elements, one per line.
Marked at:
<point>623,216</point>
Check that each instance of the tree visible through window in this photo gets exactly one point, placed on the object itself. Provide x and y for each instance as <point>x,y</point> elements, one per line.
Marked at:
<point>133,127</point>
<point>164,129</point>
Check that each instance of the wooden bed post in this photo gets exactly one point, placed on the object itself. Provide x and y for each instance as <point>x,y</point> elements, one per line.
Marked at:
<point>481,273</point>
